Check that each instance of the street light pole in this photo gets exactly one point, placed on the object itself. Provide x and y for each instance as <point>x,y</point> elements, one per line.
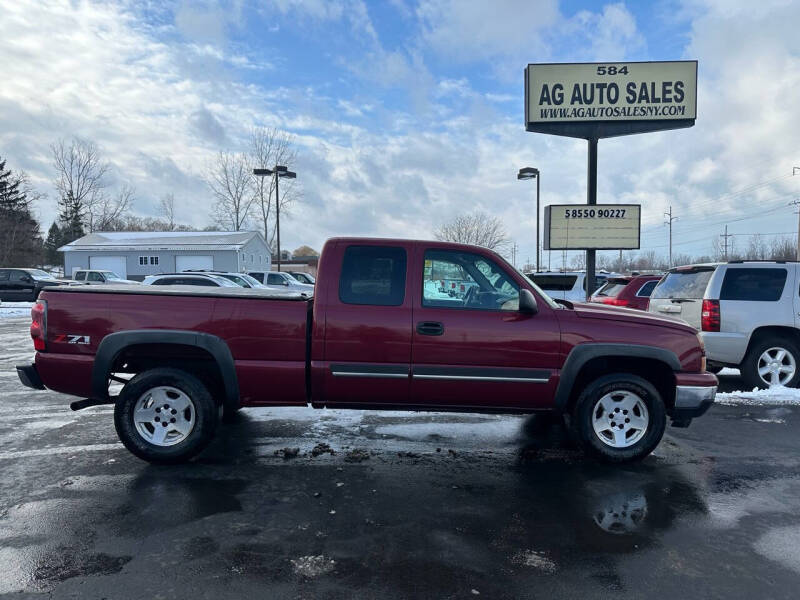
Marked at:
<point>532,173</point>
<point>279,171</point>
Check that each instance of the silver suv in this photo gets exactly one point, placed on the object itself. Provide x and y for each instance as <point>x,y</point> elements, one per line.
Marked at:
<point>747,312</point>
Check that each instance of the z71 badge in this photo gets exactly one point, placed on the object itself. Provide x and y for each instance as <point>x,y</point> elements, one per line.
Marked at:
<point>72,339</point>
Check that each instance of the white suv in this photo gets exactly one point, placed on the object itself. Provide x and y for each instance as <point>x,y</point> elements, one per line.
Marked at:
<point>747,312</point>
<point>561,285</point>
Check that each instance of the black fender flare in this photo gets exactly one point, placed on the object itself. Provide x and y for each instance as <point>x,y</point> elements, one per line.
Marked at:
<point>583,353</point>
<point>114,343</point>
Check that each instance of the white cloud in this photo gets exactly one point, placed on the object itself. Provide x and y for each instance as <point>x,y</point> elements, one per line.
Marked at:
<point>468,30</point>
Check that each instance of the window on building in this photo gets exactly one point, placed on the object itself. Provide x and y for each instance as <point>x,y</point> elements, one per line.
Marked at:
<point>142,260</point>
<point>154,260</point>
<point>373,275</point>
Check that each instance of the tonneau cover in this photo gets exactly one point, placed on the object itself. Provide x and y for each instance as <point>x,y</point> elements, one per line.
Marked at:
<point>180,290</point>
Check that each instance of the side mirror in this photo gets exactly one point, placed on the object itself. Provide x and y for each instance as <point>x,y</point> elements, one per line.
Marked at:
<point>527,303</point>
<point>286,283</point>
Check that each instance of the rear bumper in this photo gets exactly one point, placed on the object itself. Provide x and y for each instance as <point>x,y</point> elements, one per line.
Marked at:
<point>29,377</point>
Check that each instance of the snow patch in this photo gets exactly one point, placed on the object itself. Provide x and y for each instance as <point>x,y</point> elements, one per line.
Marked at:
<point>15,309</point>
<point>535,560</point>
<point>313,566</point>
<point>774,396</point>
<point>780,545</point>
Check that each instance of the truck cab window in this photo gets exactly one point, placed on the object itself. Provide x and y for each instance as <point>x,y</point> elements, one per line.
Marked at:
<point>80,276</point>
<point>373,275</point>
<point>453,279</point>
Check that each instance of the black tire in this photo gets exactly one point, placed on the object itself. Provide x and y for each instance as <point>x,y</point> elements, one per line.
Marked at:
<point>749,366</point>
<point>206,416</point>
<point>582,417</point>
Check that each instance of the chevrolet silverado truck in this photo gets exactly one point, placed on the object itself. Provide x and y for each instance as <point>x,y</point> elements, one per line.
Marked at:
<point>377,335</point>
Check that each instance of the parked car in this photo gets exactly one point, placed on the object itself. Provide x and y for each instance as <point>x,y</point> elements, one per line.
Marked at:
<point>303,277</point>
<point>565,285</point>
<point>96,277</point>
<point>282,280</point>
<point>196,279</point>
<point>21,285</point>
<point>241,279</point>
<point>631,291</point>
<point>378,337</point>
<point>747,312</point>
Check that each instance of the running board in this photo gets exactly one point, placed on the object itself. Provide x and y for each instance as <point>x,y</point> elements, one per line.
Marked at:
<point>81,404</point>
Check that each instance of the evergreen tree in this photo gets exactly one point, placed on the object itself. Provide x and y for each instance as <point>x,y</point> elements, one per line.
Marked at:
<point>20,239</point>
<point>51,245</point>
<point>71,215</point>
<point>12,198</point>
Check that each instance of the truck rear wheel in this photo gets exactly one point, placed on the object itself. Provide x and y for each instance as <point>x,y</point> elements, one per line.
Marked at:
<point>619,418</point>
<point>165,416</point>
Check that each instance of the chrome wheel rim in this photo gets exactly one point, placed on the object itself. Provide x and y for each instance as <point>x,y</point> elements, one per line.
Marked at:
<point>164,416</point>
<point>620,419</point>
<point>776,366</point>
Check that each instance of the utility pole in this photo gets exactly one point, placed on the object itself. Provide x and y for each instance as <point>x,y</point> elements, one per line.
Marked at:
<point>725,237</point>
<point>797,203</point>
<point>669,221</point>
<point>514,254</point>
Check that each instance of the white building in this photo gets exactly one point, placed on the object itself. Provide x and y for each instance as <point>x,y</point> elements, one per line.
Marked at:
<point>136,254</point>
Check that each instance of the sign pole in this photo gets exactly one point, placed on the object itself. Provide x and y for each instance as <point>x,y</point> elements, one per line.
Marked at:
<point>591,200</point>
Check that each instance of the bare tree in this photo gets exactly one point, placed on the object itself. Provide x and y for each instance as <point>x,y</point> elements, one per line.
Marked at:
<point>81,177</point>
<point>230,180</point>
<point>270,147</point>
<point>478,229</point>
<point>110,211</point>
<point>166,207</point>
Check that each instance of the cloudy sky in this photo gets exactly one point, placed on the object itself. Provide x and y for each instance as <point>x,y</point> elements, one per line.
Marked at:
<point>406,113</point>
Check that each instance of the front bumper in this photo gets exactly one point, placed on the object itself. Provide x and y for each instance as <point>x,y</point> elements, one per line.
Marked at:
<point>29,377</point>
<point>691,401</point>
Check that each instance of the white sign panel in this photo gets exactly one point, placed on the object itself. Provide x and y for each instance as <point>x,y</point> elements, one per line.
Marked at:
<point>623,91</point>
<point>592,227</point>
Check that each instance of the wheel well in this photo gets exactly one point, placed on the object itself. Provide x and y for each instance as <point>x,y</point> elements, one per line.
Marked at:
<point>656,372</point>
<point>764,333</point>
<point>191,359</point>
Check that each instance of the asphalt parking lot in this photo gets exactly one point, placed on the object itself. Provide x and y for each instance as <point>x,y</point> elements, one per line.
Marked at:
<point>392,505</point>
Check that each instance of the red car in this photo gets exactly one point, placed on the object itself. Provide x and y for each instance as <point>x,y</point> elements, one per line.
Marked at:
<point>629,291</point>
<point>379,334</point>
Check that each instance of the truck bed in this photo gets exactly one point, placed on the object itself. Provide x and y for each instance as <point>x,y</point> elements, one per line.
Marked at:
<point>265,331</point>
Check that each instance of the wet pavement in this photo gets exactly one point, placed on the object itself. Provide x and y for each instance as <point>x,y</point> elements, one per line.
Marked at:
<point>398,505</point>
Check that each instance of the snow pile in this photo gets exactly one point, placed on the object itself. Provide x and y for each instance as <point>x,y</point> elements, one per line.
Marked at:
<point>15,309</point>
<point>774,396</point>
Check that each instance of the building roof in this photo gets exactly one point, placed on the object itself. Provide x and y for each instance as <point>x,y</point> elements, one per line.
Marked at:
<point>162,240</point>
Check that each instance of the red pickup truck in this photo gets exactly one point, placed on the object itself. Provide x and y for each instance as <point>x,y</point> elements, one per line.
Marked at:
<point>379,334</point>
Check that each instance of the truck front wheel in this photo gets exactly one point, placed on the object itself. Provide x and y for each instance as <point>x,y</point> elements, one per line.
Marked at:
<point>619,418</point>
<point>165,416</point>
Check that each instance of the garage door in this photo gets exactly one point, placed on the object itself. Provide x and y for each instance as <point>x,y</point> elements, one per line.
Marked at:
<point>117,264</point>
<point>194,263</point>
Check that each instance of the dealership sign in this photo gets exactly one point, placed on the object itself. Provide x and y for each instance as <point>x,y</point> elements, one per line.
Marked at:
<point>592,227</point>
<point>662,93</point>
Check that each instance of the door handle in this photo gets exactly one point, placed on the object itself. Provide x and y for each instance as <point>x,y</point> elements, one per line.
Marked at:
<point>430,328</point>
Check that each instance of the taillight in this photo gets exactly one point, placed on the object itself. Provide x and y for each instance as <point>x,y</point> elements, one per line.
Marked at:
<point>709,318</point>
<point>615,301</point>
<point>39,325</point>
